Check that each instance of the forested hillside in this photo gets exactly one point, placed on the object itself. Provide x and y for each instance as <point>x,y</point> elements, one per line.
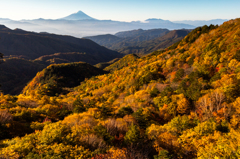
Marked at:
<point>181,102</point>
<point>53,79</point>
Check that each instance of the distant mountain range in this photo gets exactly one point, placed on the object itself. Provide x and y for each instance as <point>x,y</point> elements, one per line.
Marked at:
<point>80,24</point>
<point>127,38</point>
<point>202,22</point>
<point>140,41</point>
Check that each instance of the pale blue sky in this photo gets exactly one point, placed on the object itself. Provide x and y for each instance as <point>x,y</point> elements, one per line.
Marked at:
<point>122,10</point>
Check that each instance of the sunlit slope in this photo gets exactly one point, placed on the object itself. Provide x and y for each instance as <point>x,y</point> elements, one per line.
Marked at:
<point>182,102</point>
<point>54,78</point>
<point>123,62</point>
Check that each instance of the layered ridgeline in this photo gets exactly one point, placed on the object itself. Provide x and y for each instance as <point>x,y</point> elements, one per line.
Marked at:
<point>159,43</point>
<point>131,37</point>
<point>182,102</point>
<point>140,41</point>
<point>30,45</point>
<point>26,53</point>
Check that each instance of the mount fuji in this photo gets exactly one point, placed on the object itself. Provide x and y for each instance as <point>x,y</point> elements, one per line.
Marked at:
<point>78,16</point>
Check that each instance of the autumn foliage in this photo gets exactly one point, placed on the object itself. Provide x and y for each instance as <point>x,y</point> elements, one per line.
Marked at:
<point>181,102</point>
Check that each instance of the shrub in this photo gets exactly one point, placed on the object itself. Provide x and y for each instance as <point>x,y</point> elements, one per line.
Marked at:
<point>160,101</point>
<point>78,106</point>
<point>179,74</point>
<point>154,92</point>
<point>141,119</point>
<point>124,111</point>
<point>132,135</point>
<point>101,131</point>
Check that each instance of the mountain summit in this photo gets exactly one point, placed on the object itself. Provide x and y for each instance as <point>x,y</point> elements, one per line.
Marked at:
<point>78,16</point>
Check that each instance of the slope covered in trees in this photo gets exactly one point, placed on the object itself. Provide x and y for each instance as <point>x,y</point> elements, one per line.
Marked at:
<point>103,65</point>
<point>53,79</point>
<point>123,62</point>
<point>68,57</point>
<point>181,102</point>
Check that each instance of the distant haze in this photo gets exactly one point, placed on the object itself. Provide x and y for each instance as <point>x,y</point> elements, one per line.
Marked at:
<point>202,22</point>
<point>80,24</point>
<point>122,10</point>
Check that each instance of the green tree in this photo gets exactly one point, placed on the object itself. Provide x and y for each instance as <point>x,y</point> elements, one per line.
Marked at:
<point>124,111</point>
<point>78,106</point>
<point>133,134</point>
<point>179,74</point>
<point>163,154</point>
<point>141,118</point>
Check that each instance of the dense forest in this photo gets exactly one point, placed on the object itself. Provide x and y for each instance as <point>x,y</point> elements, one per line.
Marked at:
<point>180,102</point>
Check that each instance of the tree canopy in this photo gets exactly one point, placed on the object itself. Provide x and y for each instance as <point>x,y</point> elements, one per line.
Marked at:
<point>181,102</point>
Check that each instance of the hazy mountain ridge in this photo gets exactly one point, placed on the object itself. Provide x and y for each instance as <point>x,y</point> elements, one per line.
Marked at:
<point>132,37</point>
<point>104,40</point>
<point>140,41</point>
<point>155,44</point>
<point>152,33</point>
<point>203,22</point>
<point>32,45</point>
<point>79,26</point>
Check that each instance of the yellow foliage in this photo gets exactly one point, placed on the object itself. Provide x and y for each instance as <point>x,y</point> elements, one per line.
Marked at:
<point>117,154</point>
<point>183,106</point>
<point>166,141</point>
<point>236,105</point>
<point>233,64</point>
